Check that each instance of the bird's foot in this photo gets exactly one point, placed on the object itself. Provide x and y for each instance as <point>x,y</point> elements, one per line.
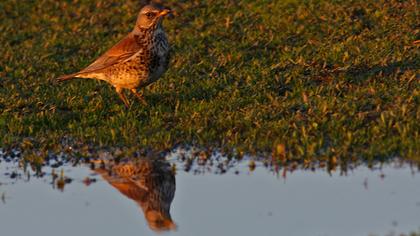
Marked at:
<point>122,96</point>
<point>139,97</point>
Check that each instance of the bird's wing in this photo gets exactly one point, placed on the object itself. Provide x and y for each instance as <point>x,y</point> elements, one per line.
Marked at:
<point>130,190</point>
<point>124,185</point>
<point>121,51</point>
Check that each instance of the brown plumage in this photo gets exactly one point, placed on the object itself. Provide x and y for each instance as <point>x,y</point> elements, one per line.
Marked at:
<point>138,60</point>
<point>150,183</point>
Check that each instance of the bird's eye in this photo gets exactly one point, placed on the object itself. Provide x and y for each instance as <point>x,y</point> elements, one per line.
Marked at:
<point>150,15</point>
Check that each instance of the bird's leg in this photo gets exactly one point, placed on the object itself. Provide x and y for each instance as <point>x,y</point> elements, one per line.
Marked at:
<point>139,96</point>
<point>122,96</point>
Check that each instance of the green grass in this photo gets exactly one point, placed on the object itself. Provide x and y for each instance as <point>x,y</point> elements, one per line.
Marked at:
<point>323,78</point>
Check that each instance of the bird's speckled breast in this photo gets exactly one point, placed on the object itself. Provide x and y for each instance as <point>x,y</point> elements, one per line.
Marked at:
<point>160,56</point>
<point>146,66</point>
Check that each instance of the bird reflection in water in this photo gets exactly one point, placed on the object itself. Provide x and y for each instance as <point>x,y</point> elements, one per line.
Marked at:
<point>150,183</point>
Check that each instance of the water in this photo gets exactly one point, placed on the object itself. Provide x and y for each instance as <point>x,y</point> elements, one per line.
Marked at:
<point>146,197</point>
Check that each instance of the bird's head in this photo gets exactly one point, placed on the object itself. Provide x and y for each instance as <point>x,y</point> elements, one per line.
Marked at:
<point>159,221</point>
<point>151,15</point>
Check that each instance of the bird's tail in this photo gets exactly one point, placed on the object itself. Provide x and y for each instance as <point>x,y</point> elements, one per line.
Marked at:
<point>67,77</point>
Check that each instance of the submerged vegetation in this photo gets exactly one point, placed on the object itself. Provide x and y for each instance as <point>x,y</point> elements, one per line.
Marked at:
<point>301,79</point>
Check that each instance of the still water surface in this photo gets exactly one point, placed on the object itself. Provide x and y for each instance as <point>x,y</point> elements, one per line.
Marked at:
<point>146,198</point>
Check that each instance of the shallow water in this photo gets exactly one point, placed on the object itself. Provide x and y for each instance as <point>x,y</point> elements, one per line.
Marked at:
<point>78,200</point>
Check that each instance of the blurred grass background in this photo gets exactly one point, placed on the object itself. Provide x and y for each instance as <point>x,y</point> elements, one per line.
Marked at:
<point>303,79</point>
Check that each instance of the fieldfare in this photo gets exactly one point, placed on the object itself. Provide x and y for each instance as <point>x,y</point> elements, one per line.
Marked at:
<point>138,60</point>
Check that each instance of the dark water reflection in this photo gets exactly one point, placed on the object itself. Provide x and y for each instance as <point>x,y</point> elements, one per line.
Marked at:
<point>213,197</point>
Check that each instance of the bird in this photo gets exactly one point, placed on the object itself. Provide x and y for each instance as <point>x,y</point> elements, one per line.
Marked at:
<point>136,61</point>
<point>148,182</point>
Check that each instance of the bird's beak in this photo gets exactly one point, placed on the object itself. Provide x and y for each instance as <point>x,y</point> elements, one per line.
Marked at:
<point>164,12</point>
